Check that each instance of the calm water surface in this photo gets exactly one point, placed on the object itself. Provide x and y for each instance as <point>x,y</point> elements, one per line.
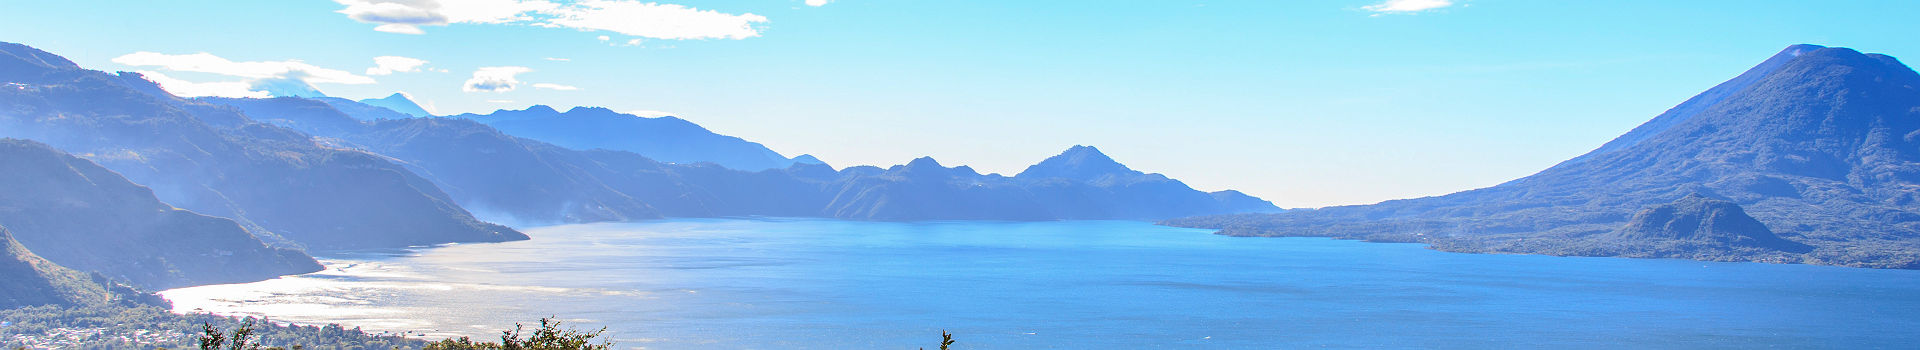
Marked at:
<point>827,284</point>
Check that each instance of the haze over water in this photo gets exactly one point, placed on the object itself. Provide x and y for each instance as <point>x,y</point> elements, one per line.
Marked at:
<point>828,284</point>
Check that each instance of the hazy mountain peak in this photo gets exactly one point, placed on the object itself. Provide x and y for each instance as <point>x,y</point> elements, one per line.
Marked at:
<point>540,109</point>
<point>399,102</point>
<point>1079,162</point>
<point>286,87</point>
<point>594,111</point>
<point>924,162</point>
<point>807,159</point>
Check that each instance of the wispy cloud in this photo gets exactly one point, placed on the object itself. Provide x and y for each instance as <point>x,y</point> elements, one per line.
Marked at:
<point>818,3</point>
<point>407,16</point>
<point>552,86</point>
<point>385,65</point>
<point>185,88</point>
<point>495,79</point>
<point>208,63</point>
<point>1407,6</point>
<point>627,17</point>
<point>558,59</point>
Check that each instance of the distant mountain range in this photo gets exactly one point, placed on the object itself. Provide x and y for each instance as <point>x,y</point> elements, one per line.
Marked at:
<point>666,139</point>
<point>1821,146</point>
<point>506,178</point>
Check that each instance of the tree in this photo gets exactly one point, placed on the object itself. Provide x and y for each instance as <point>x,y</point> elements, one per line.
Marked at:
<point>548,337</point>
<point>946,340</point>
<point>241,339</point>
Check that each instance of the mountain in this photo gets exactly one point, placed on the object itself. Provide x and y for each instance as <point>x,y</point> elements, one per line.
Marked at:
<point>217,161</point>
<point>666,139</point>
<point>82,216</point>
<point>398,102</point>
<point>31,280</point>
<point>1820,145</point>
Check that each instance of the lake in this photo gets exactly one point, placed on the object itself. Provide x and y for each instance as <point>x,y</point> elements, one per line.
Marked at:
<point>830,284</point>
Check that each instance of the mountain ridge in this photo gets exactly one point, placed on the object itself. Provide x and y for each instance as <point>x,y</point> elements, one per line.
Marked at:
<point>667,139</point>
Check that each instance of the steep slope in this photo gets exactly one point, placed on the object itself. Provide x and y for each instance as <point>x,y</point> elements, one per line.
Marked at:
<point>30,280</point>
<point>666,139</point>
<point>1822,145</point>
<point>82,216</point>
<point>398,102</point>
<point>214,160</point>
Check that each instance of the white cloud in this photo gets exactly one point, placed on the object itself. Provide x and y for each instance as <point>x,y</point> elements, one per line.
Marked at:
<point>628,17</point>
<point>494,79</point>
<point>208,63</point>
<point>818,3</point>
<point>407,16</point>
<point>385,65</point>
<point>185,88</point>
<point>655,20</point>
<point>552,86</point>
<point>1407,6</point>
<point>558,59</point>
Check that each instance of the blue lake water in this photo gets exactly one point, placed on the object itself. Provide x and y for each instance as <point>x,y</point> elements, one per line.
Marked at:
<point>827,284</point>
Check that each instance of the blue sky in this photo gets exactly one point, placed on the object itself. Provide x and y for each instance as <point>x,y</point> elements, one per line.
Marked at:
<point>1306,103</point>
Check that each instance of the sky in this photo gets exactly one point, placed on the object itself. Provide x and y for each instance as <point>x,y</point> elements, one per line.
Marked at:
<point>1304,103</point>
